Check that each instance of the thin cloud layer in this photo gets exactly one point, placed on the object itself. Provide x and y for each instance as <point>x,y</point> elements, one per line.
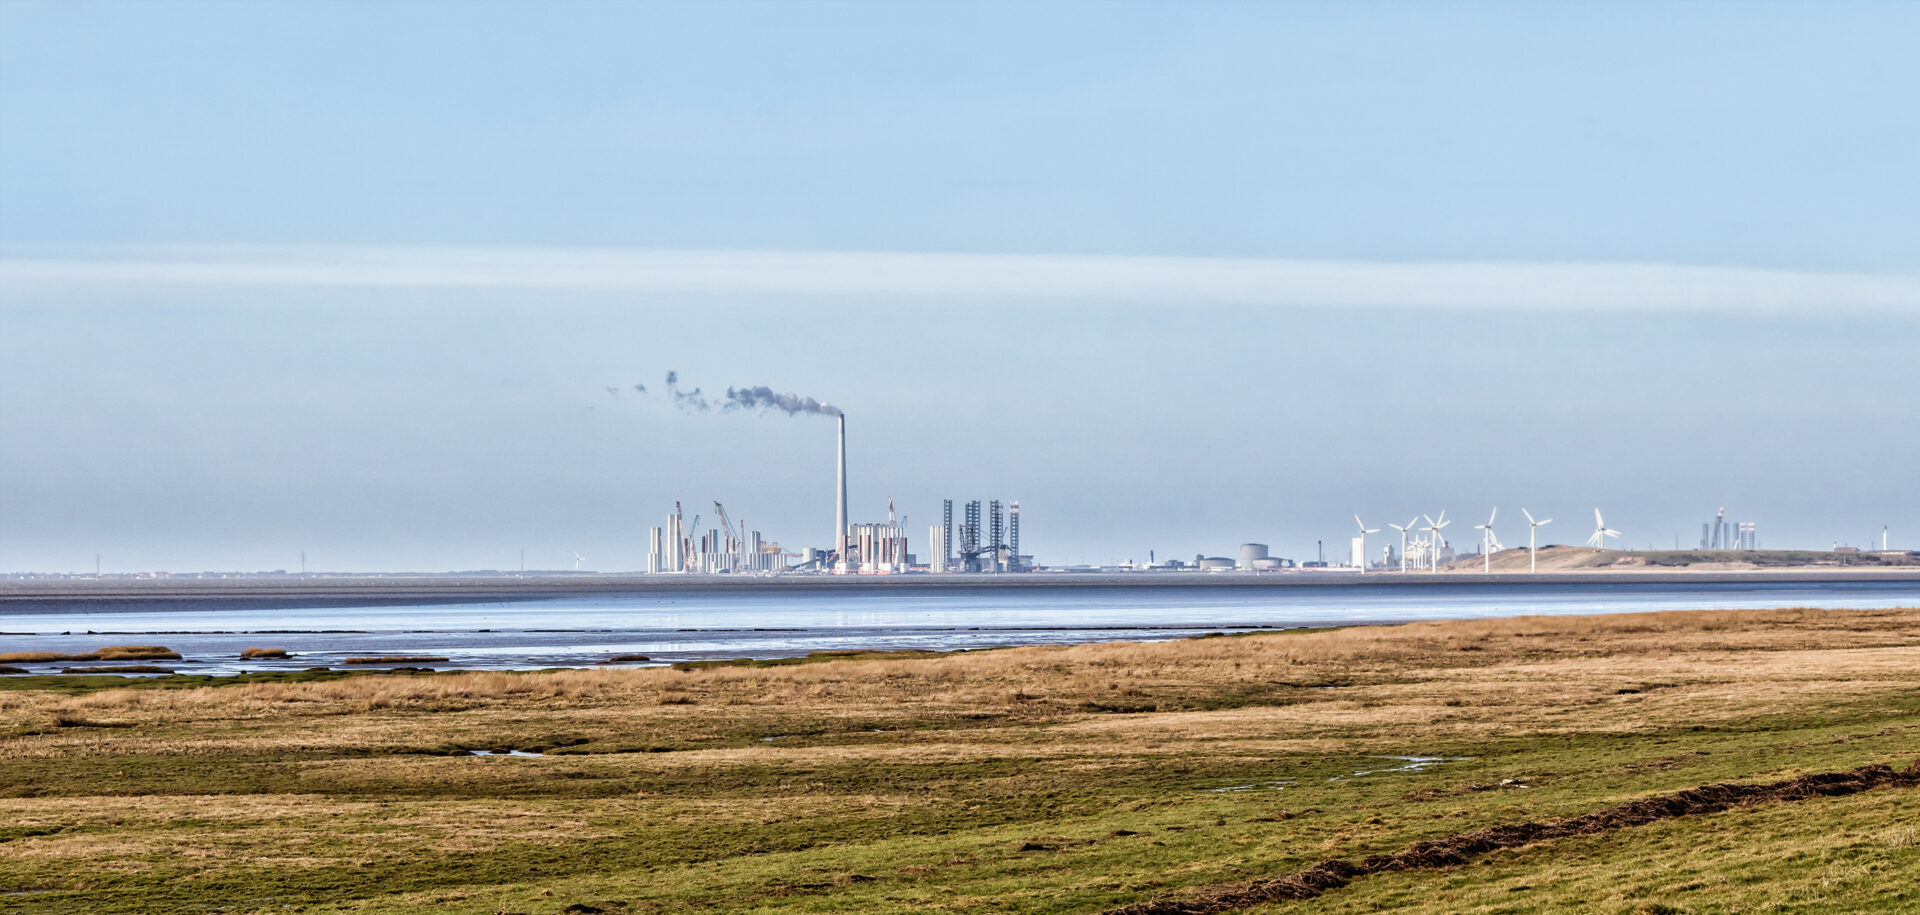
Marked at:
<point>1066,278</point>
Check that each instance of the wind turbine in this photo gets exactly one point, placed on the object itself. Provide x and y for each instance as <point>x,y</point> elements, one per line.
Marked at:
<point>1600,532</point>
<point>1438,540</point>
<point>577,560</point>
<point>1532,526</point>
<point>1364,531</point>
<point>1488,542</point>
<point>1403,537</point>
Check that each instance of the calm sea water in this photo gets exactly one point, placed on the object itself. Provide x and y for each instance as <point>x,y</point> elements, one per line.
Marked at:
<point>578,632</point>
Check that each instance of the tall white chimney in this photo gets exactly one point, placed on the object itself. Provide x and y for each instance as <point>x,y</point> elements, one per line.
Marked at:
<point>840,505</point>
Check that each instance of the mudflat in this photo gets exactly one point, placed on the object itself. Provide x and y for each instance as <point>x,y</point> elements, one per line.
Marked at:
<point>1637,763</point>
<point>1565,566</point>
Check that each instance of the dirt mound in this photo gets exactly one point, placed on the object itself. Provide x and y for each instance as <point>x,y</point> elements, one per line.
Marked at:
<point>1455,850</point>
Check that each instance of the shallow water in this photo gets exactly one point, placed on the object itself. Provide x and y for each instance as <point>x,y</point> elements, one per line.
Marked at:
<point>585,631</point>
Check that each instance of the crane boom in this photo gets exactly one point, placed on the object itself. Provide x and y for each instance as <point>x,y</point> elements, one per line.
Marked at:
<point>727,526</point>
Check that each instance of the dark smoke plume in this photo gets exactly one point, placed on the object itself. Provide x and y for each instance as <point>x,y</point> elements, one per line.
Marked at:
<point>764,398</point>
<point>685,400</point>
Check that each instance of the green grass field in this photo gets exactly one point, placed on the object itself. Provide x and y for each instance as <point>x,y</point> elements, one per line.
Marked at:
<point>1023,780</point>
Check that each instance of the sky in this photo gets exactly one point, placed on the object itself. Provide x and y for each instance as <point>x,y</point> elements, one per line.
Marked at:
<point>353,279</point>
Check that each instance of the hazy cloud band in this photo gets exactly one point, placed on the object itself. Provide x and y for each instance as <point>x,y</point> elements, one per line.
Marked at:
<point>1164,280</point>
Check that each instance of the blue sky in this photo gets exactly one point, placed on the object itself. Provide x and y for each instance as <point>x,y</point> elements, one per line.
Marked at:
<point>352,277</point>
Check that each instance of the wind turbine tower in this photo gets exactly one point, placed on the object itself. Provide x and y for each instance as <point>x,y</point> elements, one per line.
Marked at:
<point>1434,527</point>
<point>1600,531</point>
<point>1532,527</point>
<point>1360,544</point>
<point>1403,528</point>
<point>1488,542</point>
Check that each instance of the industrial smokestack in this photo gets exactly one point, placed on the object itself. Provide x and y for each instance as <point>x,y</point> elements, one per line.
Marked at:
<point>840,503</point>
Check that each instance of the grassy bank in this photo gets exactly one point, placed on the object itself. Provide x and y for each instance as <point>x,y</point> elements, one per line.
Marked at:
<point>1026,780</point>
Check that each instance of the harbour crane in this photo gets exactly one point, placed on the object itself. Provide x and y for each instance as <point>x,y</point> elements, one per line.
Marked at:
<point>726,525</point>
<point>686,544</point>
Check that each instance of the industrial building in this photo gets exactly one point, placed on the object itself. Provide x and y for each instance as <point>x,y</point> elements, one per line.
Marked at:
<point>978,544</point>
<point>877,548</point>
<point>1255,558</point>
<point>728,548</point>
<point>1721,534</point>
<point>987,540</point>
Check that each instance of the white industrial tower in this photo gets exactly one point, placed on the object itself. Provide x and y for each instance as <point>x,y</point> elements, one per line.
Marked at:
<point>840,506</point>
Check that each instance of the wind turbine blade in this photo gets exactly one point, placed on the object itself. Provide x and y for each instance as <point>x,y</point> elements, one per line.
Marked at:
<point>1528,514</point>
<point>1492,515</point>
<point>1544,523</point>
<point>1597,520</point>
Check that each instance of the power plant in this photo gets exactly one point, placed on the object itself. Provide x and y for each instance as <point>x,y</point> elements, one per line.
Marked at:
<point>869,549</point>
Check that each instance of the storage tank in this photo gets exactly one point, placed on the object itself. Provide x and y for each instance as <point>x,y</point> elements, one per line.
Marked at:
<point>1250,552</point>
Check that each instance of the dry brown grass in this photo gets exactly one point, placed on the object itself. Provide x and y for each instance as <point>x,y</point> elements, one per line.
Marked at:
<point>1537,675</point>
<point>109,653</point>
<point>264,653</point>
<point>136,653</point>
<point>38,657</point>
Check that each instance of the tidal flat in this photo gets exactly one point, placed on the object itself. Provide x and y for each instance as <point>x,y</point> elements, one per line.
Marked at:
<point>1170,775</point>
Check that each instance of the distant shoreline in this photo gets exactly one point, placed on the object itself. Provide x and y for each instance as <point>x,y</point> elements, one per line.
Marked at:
<point>294,592</point>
